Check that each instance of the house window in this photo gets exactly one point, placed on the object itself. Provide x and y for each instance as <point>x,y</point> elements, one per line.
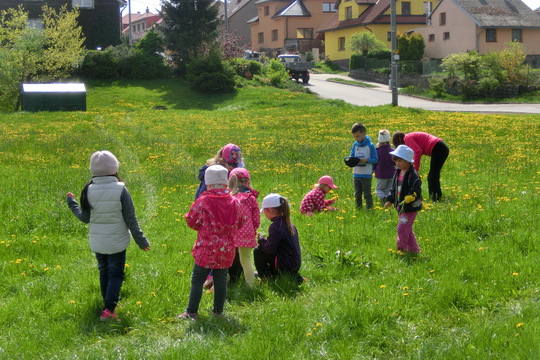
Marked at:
<point>491,35</point>
<point>389,36</point>
<point>329,7</point>
<point>348,12</point>
<point>304,33</point>
<point>34,24</point>
<point>341,44</point>
<point>446,36</point>
<point>274,35</point>
<point>406,8</point>
<point>260,37</point>
<point>517,35</point>
<point>266,10</point>
<point>431,37</point>
<point>83,3</point>
<point>442,19</point>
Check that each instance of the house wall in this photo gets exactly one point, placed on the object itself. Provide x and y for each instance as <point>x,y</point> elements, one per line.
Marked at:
<point>101,25</point>
<point>465,35</point>
<point>530,37</point>
<point>238,22</point>
<point>286,26</point>
<point>331,42</point>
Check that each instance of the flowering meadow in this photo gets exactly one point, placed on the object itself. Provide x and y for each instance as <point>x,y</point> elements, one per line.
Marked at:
<point>473,292</point>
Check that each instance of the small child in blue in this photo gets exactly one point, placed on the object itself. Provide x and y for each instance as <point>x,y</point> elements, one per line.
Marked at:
<point>384,169</point>
<point>364,150</point>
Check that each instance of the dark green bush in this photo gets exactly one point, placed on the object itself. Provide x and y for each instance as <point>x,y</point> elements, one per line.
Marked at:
<point>384,54</point>
<point>240,66</point>
<point>357,61</point>
<point>141,65</point>
<point>210,74</point>
<point>100,65</point>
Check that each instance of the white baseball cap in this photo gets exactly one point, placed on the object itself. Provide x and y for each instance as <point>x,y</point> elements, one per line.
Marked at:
<point>271,201</point>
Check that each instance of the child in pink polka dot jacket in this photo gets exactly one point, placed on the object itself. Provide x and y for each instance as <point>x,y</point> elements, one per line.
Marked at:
<point>314,200</point>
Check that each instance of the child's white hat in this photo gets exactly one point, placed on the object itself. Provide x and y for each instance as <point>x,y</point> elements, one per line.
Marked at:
<point>103,163</point>
<point>271,201</point>
<point>216,175</point>
<point>404,152</point>
<point>384,136</point>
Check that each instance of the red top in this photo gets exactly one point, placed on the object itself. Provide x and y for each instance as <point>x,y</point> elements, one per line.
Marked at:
<point>245,235</point>
<point>314,201</point>
<point>422,144</point>
<point>216,215</point>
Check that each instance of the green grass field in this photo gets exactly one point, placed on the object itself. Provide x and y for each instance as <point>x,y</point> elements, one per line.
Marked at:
<point>473,293</point>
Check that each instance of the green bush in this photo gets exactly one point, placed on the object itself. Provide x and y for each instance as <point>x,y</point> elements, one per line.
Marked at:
<point>487,86</point>
<point>100,65</point>
<point>141,65</point>
<point>357,61</point>
<point>383,54</point>
<point>276,73</point>
<point>210,74</point>
<point>436,83</point>
<point>240,66</point>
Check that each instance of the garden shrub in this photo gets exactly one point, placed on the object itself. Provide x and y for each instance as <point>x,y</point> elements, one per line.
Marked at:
<point>383,54</point>
<point>436,83</point>
<point>100,65</point>
<point>141,65</point>
<point>210,74</point>
<point>276,73</point>
<point>240,66</point>
<point>487,86</point>
<point>357,61</point>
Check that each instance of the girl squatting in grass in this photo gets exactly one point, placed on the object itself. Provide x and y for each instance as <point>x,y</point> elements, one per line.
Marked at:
<point>240,187</point>
<point>406,195</point>
<point>216,216</point>
<point>279,253</point>
<point>107,206</point>
<point>314,200</point>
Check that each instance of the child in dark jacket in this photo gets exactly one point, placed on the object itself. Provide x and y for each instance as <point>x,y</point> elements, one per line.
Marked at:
<point>279,253</point>
<point>406,195</point>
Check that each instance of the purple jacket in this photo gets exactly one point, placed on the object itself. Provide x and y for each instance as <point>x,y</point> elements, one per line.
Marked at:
<point>384,169</point>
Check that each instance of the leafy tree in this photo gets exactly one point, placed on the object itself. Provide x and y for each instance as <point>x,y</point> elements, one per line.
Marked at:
<point>36,55</point>
<point>229,45</point>
<point>190,26</point>
<point>209,74</point>
<point>512,59</point>
<point>63,45</point>
<point>410,47</point>
<point>151,43</point>
<point>365,42</point>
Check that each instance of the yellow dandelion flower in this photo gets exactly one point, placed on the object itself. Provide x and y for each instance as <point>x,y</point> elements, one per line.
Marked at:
<point>519,325</point>
<point>23,274</point>
<point>382,286</point>
<point>153,294</point>
<point>405,294</point>
<point>139,303</point>
<point>515,274</point>
<point>72,302</point>
<point>319,324</point>
<point>309,334</point>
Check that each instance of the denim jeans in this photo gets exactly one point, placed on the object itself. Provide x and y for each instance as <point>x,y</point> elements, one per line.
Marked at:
<point>111,277</point>
<point>198,276</point>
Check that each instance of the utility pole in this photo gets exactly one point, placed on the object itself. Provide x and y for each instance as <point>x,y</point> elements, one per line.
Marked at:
<point>395,55</point>
<point>226,19</point>
<point>130,40</point>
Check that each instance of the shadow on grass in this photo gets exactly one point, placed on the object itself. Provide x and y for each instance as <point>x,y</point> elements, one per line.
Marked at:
<point>91,324</point>
<point>172,93</point>
<point>215,327</point>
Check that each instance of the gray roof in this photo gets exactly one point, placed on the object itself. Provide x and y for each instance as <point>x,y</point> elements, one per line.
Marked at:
<point>296,8</point>
<point>500,13</point>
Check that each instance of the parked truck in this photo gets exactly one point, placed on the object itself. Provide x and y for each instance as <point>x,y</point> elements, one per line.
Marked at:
<point>297,69</point>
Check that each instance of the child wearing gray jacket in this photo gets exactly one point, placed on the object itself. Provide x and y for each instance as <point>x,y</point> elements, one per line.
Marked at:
<point>107,206</point>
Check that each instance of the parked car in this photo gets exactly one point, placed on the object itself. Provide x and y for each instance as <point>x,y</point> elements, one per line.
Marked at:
<point>297,68</point>
<point>252,55</point>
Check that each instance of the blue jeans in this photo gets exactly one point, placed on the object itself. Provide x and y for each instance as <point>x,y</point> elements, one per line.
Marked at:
<point>198,276</point>
<point>111,277</point>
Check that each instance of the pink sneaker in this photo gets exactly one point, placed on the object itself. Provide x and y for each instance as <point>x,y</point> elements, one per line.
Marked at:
<point>188,316</point>
<point>107,315</point>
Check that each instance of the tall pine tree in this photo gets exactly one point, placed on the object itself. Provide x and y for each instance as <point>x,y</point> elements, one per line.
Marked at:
<point>190,28</point>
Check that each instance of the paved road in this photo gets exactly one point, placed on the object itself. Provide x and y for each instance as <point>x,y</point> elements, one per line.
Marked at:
<point>381,95</point>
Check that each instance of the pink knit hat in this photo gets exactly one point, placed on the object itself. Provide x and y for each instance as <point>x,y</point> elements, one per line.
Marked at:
<point>239,172</point>
<point>227,155</point>
<point>327,180</point>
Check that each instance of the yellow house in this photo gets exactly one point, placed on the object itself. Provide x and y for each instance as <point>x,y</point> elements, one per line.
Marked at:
<point>457,26</point>
<point>355,16</point>
<point>289,25</point>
